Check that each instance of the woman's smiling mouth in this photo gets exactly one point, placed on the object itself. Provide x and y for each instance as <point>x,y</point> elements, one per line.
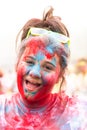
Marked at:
<point>32,85</point>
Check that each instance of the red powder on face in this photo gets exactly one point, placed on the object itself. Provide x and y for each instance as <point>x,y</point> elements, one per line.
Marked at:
<point>37,44</point>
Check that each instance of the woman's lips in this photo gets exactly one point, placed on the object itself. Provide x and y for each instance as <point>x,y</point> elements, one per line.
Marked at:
<point>31,85</point>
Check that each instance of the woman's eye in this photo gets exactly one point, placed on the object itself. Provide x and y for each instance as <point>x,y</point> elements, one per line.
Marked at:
<point>30,62</point>
<point>48,68</point>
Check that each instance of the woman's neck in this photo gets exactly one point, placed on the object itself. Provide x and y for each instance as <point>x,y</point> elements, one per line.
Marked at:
<point>37,104</point>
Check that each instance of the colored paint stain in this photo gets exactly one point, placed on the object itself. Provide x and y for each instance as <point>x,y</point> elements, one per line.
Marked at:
<point>37,44</point>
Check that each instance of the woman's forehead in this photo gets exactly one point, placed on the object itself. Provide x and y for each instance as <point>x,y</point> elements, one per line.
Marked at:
<point>41,55</point>
<point>38,41</point>
<point>38,45</point>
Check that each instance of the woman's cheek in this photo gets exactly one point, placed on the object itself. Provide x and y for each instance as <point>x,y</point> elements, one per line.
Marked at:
<point>22,68</point>
<point>50,79</point>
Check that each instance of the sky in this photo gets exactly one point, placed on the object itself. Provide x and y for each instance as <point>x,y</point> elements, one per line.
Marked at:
<point>14,14</point>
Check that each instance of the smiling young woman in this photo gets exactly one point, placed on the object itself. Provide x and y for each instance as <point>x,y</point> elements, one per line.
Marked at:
<point>42,58</point>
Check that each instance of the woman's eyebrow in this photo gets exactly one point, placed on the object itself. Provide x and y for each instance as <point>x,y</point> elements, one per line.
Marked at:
<point>30,57</point>
<point>50,63</point>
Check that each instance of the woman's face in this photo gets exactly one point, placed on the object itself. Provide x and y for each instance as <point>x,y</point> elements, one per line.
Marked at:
<point>38,70</point>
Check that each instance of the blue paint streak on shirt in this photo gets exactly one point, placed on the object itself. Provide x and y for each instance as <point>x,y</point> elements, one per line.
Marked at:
<point>66,127</point>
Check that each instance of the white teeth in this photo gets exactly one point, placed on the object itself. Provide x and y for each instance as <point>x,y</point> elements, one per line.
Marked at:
<point>30,86</point>
<point>34,83</point>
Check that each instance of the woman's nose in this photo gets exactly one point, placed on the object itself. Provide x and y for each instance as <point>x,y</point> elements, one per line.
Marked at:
<point>35,71</point>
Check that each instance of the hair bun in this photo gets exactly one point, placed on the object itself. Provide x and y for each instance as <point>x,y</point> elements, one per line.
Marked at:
<point>48,13</point>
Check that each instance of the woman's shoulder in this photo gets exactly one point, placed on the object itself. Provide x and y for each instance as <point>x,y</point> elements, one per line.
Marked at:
<point>72,106</point>
<point>7,97</point>
<point>76,111</point>
<point>73,111</point>
<point>7,102</point>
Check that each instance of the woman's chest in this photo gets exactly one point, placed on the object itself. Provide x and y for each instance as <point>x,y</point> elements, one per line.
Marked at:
<point>47,120</point>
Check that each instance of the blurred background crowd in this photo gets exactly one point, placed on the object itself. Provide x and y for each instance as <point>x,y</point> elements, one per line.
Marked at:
<point>7,81</point>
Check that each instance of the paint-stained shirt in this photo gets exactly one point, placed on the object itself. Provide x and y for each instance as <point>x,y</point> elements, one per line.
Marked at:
<point>59,114</point>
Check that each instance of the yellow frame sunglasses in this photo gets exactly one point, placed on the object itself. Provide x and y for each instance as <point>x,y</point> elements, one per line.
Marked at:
<point>40,32</point>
